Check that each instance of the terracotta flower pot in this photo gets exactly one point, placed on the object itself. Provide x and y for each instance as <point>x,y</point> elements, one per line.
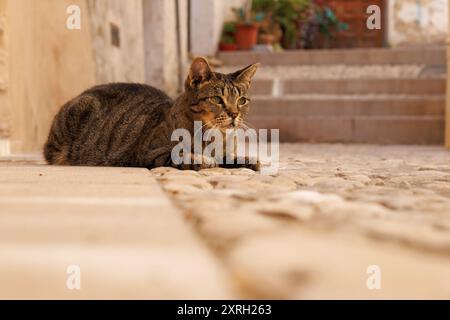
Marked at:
<point>246,36</point>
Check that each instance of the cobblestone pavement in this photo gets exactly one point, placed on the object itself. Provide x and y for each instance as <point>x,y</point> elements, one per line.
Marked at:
<point>314,229</point>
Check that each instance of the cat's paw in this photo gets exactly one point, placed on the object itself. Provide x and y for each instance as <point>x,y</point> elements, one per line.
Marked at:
<point>205,162</point>
<point>198,162</point>
<point>244,162</point>
<point>249,163</point>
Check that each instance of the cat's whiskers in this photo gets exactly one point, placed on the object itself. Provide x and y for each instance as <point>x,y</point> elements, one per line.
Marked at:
<point>208,123</point>
<point>248,125</point>
<point>227,124</point>
<point>213,128</point>
<point>243,126</point>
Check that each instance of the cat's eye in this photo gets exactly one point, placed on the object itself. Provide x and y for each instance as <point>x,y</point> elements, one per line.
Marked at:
<point>216,100</point>
<point>242,101</point>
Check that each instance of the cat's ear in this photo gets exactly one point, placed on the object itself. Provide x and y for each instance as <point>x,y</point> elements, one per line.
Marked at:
<point>199,73</point>
<point>245,75</point>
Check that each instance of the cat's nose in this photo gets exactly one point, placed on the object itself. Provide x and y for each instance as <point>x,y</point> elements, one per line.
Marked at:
<point>234,114</point>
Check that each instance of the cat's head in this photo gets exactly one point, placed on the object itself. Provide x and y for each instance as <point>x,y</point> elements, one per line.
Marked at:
<point>219,100</point>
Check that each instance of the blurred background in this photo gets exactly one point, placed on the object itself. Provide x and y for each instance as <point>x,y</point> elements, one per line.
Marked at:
<point>326,76</point>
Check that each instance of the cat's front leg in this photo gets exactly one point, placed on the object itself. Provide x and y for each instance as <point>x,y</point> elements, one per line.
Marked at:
<point>197,162</point>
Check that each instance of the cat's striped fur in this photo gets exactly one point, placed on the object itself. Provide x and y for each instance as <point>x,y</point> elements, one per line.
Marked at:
<point>125,124</point>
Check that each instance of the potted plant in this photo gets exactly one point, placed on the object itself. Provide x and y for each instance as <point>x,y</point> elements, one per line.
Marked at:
<point>281,19</point>
<point>269,31</point>
<point>246,28</point>
<point>328,24</point>
<point>308,28</point>
<point>227,40</point>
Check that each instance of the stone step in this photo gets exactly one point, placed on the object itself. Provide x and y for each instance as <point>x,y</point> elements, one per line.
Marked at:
<point>116,224</point>
<point>342,71</point>
<point>424,130</point>
<point>432,55</point>
<point>348,86</point>
<point>348,105</point>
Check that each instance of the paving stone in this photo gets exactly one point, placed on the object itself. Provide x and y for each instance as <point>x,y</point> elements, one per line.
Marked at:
<point>115,223</point>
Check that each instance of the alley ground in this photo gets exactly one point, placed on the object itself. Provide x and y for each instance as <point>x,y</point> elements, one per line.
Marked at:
<point>318,229</point>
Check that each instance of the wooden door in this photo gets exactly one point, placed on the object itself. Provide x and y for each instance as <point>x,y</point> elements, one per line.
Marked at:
<point>353,13</point>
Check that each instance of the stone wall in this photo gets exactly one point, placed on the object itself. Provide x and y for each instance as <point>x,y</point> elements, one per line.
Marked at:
<point>207,18</point>
<point>46,65</point>
<point>121,58</point>
<point>165,44</point>
<point>4,75</point>
<point>417,21</point>
<point>447,112</point>
<point>43,63</point>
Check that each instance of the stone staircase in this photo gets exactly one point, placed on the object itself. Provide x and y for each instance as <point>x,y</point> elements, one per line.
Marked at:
<point>380,96</point>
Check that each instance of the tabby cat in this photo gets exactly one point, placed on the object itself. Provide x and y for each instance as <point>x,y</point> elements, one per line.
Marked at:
<point>130,125</point>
